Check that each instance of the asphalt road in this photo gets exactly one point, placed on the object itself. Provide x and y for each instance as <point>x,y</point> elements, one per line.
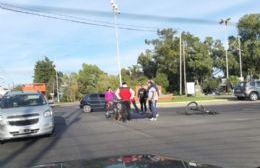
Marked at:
<point>230,139</point>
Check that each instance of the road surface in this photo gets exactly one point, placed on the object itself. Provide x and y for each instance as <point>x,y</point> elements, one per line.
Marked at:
<point>230,139</point>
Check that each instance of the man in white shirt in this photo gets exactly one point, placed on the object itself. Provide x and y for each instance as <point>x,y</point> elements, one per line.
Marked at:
<point>152,99</point>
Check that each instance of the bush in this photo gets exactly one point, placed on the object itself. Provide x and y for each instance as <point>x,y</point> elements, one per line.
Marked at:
<point>209,85</point>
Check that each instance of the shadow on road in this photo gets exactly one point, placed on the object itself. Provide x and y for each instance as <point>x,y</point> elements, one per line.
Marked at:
<point>60,128</point>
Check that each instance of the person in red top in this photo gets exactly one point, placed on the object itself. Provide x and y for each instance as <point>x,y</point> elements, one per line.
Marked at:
<point>125,95</point>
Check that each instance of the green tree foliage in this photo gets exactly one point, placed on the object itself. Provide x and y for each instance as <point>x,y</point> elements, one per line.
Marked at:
<point>249,30</point>
<point>162,80</point>
<point>164,58</point>
<point>148,64</point>
<point>210,84</point>
<point>234,80</point>
<point>249,27</point>
<point>70,88</point>
<point>44,72</point>
<point>89,77</point>
<point>199,62</point>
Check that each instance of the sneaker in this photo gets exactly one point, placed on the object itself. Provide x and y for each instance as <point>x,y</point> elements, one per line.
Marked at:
<point>157,115</point>
<point>155,119</point>
<point>152,119</point>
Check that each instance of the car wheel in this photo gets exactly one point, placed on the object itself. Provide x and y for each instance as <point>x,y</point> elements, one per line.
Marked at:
<point>87,109</point>
<point>253,96</point>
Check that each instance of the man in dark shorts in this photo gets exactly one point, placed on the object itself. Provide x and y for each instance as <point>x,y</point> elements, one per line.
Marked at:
<point>142,95</point>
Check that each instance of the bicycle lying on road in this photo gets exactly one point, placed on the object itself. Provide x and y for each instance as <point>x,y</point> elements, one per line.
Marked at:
<point>195,108</point>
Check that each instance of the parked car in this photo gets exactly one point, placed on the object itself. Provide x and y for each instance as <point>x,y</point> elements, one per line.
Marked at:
<point>249,90</point>
<point>92,102</point>
<point>24,114</point>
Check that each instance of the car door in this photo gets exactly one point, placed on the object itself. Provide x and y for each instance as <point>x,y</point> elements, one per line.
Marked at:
<point>257,85</point>
<point>102,101</point>
<point>93,101</point>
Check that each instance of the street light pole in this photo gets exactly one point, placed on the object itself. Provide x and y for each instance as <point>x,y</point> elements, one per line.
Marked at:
<point>240,58</point>
<point>57,85</point>
<point>184,66</point>
<point>225,22</point>
<point>116,12</point>
<point>181,64</point>
<point>57,82</point>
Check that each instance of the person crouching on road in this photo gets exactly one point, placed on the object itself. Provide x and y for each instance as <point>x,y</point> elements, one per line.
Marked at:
<point>125,95</point>
<point>152,99</point>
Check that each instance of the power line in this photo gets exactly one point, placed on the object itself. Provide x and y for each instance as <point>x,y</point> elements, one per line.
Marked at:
<point>92,20</point>
<point>122,15</point>
<point>107,25</point>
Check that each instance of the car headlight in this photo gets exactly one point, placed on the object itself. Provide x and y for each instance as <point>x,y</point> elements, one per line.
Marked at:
<point>47,113</point>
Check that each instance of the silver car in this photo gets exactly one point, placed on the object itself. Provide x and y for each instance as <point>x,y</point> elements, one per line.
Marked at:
<point>250,89</point>
<point>24,114</point>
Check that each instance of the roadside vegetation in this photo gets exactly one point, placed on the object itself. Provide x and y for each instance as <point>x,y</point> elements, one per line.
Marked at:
<point>205,59</point>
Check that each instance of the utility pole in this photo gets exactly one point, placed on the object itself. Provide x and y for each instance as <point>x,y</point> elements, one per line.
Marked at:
<point>184,66</point>
<point>225,23</point>
<point>57,82</point>
<point>116,13</point>
<point>240,58</point>
<point>57,85</point>
<point>181,64</point>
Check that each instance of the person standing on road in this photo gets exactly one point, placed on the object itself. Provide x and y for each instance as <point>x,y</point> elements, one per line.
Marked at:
<point>125,94</point>
<point>152,99</point>
<point>152,84</point>
<point>142,95</point>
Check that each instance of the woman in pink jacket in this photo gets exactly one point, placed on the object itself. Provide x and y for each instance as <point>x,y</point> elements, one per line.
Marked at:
<point>109,97</point>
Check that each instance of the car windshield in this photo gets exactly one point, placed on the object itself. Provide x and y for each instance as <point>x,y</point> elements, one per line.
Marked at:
<point>22,100</point>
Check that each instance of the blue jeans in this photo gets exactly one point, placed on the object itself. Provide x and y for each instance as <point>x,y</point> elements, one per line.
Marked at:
<point>153,108</point>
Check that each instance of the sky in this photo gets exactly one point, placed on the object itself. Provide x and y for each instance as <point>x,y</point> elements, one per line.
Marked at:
<point>26,39</point>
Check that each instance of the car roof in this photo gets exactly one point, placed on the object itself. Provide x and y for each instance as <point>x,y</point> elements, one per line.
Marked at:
<point>12,93</point>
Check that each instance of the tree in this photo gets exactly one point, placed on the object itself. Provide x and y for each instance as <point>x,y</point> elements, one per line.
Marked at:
<point>44,72</point>
<point>249,27</point>
<point>89,77</point>
<point>198,58</point>
<point>164,58</point>
<point>148,64</point>
<point>249,30</point>
<point>162,80</point>
<point>70,88</point>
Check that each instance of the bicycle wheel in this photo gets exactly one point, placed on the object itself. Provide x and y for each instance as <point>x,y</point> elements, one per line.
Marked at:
<point>191,108</point>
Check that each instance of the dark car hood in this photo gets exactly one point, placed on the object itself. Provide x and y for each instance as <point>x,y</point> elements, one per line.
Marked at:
<point>128,161</point>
